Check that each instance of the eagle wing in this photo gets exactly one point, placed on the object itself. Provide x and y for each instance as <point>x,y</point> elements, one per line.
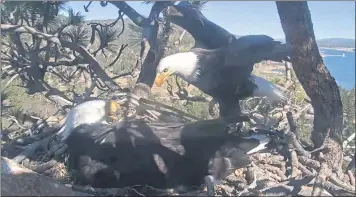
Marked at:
<point>249,50</point>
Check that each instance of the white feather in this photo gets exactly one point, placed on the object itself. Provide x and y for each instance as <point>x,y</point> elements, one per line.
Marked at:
<point>89,112</point>
<point>267,89</point>
<point>184,65</point>
<point>263,141</point>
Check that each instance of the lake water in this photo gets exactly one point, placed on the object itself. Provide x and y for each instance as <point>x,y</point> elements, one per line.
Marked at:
<point>341,68</point>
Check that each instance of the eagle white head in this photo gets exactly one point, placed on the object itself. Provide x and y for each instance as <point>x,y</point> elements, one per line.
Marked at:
<point>89,112</point>
<point>182,64</point>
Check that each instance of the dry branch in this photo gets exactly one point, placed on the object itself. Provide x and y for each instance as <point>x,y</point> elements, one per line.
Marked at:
<point>93,64</point>
<point>340,183</point>
<point>137,18</point>
<point>31,149</point>
<point>309,162</point>
<point>183,94</point>
<point>348,140</point>
<point>274,170</point>
<point>320,180</point>
<point>294,163</point>
<point>29,139</point>
<point>118,55</point>
<point>19,181</point>
<point>351,177</point>
<point>43,167</point>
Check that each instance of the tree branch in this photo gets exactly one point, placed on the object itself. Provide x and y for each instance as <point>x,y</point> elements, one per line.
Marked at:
<point>118,55</point>
<point>93,64</point>
<point>137,18</point>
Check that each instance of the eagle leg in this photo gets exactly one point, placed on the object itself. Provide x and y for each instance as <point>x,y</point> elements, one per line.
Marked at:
<point>210,186</point>
<point>230,111</point>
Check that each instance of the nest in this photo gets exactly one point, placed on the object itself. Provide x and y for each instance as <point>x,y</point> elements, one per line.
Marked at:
<point>299,172</point>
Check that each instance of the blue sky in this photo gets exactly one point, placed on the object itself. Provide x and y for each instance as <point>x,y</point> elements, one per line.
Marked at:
<point>331,19</point>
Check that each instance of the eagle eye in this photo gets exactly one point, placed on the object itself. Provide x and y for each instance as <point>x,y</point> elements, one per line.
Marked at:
<point>165,70</point>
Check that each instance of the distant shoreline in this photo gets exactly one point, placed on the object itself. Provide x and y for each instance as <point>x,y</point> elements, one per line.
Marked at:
<point>340,49</point>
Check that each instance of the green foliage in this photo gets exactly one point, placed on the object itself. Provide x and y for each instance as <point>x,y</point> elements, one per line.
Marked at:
<point>78,35</point>
<point>37,14</point>
<point>275,80</point>
<point>108,36</point>
<point>348,102</point>
<point>74,18</point>
<point>299,95</point>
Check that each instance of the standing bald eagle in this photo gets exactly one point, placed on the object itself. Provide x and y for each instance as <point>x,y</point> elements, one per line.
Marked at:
<point>225,73</point>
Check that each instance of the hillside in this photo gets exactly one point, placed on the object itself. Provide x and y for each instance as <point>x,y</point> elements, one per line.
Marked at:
<point>336,43</point>
<point>328,42</point>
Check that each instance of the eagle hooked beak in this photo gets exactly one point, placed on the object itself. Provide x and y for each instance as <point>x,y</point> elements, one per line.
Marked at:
<point>162,76</point>
<point>114,107</point>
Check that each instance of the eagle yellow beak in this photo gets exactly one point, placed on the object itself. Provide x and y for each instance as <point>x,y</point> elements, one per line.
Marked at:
<point>114,106</point>
<point>161,77</point>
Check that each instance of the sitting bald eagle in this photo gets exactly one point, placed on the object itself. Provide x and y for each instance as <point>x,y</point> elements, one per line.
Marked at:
<point>225,73</point>
<point>137,153</point>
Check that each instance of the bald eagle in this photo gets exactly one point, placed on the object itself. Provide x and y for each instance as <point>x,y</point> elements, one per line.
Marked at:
<point>136,153</point>
<point>225,73</point>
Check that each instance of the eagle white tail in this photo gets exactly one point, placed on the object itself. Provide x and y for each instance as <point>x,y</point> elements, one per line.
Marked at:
<point>89,112</point>
<point>267,89</point>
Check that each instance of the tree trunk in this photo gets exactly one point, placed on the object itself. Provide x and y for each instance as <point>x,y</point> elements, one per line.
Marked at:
<point>315,78</point>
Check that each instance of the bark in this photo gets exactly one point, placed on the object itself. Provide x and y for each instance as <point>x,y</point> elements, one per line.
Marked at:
<point>17,180</point>
<point>149,42</point>
<point>308,65</point>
